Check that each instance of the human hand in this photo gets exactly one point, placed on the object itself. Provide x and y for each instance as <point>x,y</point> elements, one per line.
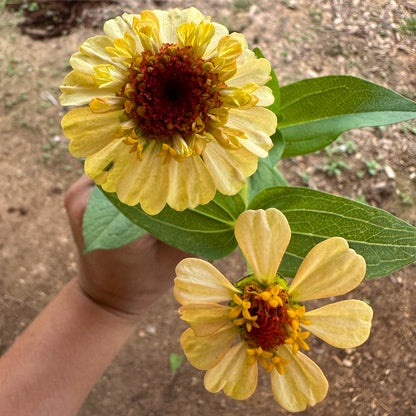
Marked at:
<point>127,279</point>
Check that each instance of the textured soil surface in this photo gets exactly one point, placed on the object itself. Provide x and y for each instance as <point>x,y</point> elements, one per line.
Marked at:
<point>373,39</point>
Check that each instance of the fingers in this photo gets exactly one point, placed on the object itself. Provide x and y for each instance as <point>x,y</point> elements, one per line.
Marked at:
<point>75,201</point>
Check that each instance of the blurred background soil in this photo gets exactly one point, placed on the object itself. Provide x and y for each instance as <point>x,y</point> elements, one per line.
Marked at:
<point>373,39</point>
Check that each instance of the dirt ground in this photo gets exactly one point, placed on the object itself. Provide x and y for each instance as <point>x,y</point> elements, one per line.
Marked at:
<point>373,39</point>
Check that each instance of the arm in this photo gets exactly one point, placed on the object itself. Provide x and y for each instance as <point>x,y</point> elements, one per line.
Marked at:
<point>51,367</point>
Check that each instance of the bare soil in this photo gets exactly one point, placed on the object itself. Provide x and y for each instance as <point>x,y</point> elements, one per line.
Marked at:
<point>302,38</point>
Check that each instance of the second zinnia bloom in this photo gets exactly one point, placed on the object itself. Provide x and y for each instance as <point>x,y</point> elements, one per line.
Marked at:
<point>262,320</point>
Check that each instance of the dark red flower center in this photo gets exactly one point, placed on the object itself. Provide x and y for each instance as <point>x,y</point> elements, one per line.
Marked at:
<point>171,92</point>
<point>270,321</point>
<point>269,330</point>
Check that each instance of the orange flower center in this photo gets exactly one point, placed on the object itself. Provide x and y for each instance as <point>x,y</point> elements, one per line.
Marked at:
<point>171,92</point>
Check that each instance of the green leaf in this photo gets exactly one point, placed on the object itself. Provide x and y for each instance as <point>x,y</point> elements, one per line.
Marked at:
<point>104,226</point>
<point>207,230</point>
<point>267,174</point>
<point>175,361</point>
<point>386,242</point>
<point>265,177</point>
<point>314,112</point>
<point>273,84</point>
<point>275,153</point>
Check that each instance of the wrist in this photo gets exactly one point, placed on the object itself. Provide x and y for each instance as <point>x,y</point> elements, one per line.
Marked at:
<point>108,312</point>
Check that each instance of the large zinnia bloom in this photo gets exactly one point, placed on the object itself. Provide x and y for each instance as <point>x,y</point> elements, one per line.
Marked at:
<point>175,109</point>
<point>261,319</point>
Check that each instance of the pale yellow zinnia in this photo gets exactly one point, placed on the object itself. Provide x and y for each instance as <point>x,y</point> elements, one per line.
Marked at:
<point>175,109</point>
<point>261,319</point>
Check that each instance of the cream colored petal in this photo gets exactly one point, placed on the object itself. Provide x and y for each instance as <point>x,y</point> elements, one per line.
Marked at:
<point>91,53</point>
<point>106,166</point>
<point>172,19</point>
<point>331,268</point>
<point>233,375</point>
<point>116,28</point>
<point>229,168</point>
<point>254,70</point>
<point>220,32</point>
<point>90,132</point>
<point>246,56</point>
<point>117,171</point>
<point>145,181</point>
<point>257,143</point>
<point>265,96</point>
<point>263,237</point>
<point>258,124</point>
<point>205,352</point>
<point>302,384</point>
<point>80,89</point>
<point>242,40</point>
<point>199,281</point>
<point>205,318</point>
<point>190,185</point>
<point>108,76</point>
<point>169,22</point>
<point>344,324</point>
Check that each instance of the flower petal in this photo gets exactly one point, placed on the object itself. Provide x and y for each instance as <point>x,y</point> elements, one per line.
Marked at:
<point>229,168</point>
<point>92,53</point>
<point>344,324</point>
<point>258,124</point>
<point>205,318</point>
<point>255,118</point>
<point>331,268</point>
<point>196,36</point>
<point>116,28</point>
<point>263,237</point>
<point>233,374</point>
<point>145,181</point>
<point>255,70</point>
<point>265,96</point>
<point>90,132</point>
<point>246,54</point>
<point>199,281</point>
<point>205,352</point>
<point>170,20</point>
<point>220,32</point>
<point>190,185</point>
<point>115,154</point>
<point>79,89</point>
<point>303,382</point>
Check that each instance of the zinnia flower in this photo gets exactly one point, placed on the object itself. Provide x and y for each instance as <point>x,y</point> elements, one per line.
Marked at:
<point>263,320</point>
<point>175,109</point>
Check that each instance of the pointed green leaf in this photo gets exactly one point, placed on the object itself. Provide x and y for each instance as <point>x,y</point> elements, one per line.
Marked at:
<point>207,230</point>
<point>104,226</point>
<point>386,242</point>
<point>314,112</point>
